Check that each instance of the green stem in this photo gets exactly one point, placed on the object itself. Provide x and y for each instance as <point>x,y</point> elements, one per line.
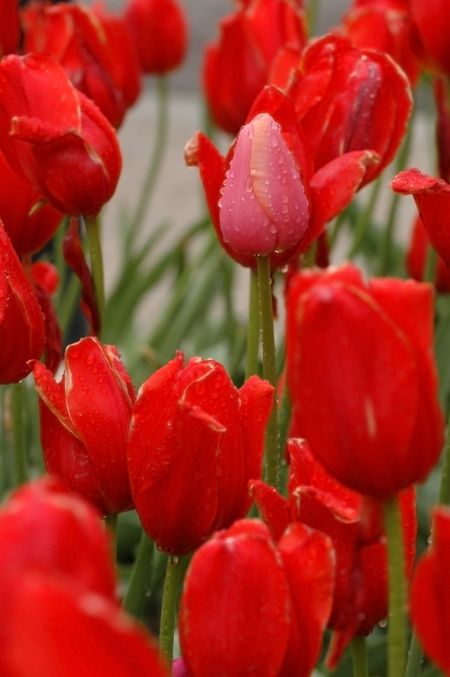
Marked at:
<point>169,606</point>
<point>17,407</point>
<point>397,588</point>
<point>111,525</point>
<point>386,244</point>
<point>140,583</point>
<point>364,219</point>
<point>359,657</point>
<point>269,365</point>
<point>415,656</point>
<point>253,326</point>
<point>429,273</point>
<point>95,251</point>
<point>148,187</point>
<point>313,11</point>
<point>283,429</point>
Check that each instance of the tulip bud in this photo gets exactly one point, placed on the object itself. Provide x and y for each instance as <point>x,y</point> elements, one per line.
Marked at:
<point>264,207</point>
<point>84,423</point>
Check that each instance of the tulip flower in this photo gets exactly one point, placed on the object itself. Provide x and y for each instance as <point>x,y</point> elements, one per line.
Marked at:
<point>22,334</point>
<point>9,26</point>
<point>84,423</point>
<point>29,222</point>
<point>159,31</point>
<point>417,256</point>
<point>432,198</point>
<point>263,197</point>
<point>56,137</point>
<point>278,638</point>
<point>384,25</point>
<point>355,349</point>
<point>58,578</point>
<point>354,524</point>
<point>431,18</point>
<point>237,66</point>
<point>94,48</point>
<point>195,442</point>
<point>442,97</point>
<point>430,599</point>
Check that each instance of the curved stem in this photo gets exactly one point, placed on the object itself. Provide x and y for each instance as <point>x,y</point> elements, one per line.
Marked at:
<point>140,583</point>
<point>95,252</point>
<point>169,606</point>
<point>269,365</point>
<point>359,657</point>
<point>397,588</point>
<point>253,326</point>
<point>148,187</point>
<point>20,460</point>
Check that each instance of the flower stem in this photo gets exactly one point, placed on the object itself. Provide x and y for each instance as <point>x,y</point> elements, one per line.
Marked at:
<point>429,273</point>
<point>111,526</point>
<point>17,407</point>
<point>313,11</point>
<point>141,578</point>
<point>95,251</point>
<point>415,656</point>
<point>397,588</point>
<point>269,365</point>
<point>359,657</point>
<point>253,326</point>
<point>169,606</point>
<point>148,187</point>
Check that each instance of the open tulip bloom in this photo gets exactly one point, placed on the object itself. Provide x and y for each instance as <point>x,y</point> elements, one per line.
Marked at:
<point>244,481</point>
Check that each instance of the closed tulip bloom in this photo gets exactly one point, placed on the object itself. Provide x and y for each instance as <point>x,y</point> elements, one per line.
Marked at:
<point>355,349</point>
<point>243,636</point>
<point>58,578</point>
<point>22,333</point>
<point>195,442</point>
<point>432,18</point>
<point>430,593</point>
<point>237,66</point>
<point>159,31</point>
<point>55,136</point>
<point>84,423</point>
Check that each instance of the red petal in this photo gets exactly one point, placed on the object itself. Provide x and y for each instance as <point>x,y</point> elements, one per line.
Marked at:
<point>273,507</point>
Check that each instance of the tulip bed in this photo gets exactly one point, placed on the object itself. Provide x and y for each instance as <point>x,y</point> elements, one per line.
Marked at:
<point>220,495</point>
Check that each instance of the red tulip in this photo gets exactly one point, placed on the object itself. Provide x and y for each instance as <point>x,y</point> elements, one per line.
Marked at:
<point>9,26</point>
<point>195,442</point>
<point>94,48</point>
<point>417,256</point>
<point>57,588</point>
<point>442,97</point>
<point>282,636</point>
<point>237,67</point>
<point>22,335</point>
<point>355,349</point>
<point>29,222</point>
<point>432,197</point>
<point>384,25</point>
<point>430,593</point>
<point>432,18</point>
<point>160,33</point>
<point>264,197</point>
<point>56,137</point>
<point>84,423</point>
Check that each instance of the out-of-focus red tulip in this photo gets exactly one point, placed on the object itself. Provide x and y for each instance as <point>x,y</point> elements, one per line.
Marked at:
<point>417,256</point>
<point>195,442</point>
<point>350,99</point>
<point>57,577</point>
<point>22,334</point>
<point>264,197</point>
<point>430,593</point>
<point>84,423</point>
<point>159,30</point>
<point>9,26</point>
<point>94,48</point>
<point>384,25</point>
<point>432,198</point>
<point>354,523</point>
<point>29,222</point>
<point>278,638</point>
<point>442,97</point>
<point>55,136</point>
<point>432,18</point>
<point>355,349</point>
<point>237,66</point>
